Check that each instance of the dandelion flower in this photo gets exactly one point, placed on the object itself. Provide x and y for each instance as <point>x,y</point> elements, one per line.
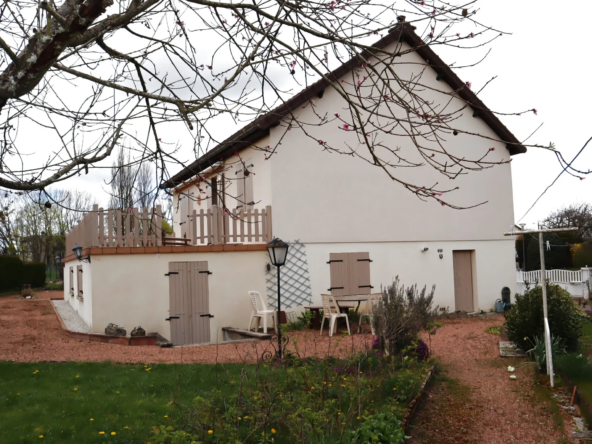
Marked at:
<point>210,432</point>
<point>40,436</point>
<point>312,388</point>
<point>239,417</point>
<point>78,376</point>
<point>92,419</point>
<point>75,388</point>
<point>358,417</point>
<point>272,430</point>
<point>101,433</point>
<point>126,427</point>
<point>113,433</point>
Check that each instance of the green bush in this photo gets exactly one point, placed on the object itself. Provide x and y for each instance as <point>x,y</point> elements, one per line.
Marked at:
<point>576,367</point>
<point>34,274</point>
<point>382,428</point>
<point>524,321</point>
<point>11,272</point>
<point>583,256</point>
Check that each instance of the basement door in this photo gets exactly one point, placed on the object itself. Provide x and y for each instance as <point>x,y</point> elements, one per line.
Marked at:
<point>463,280</point>
<point>189,299</point>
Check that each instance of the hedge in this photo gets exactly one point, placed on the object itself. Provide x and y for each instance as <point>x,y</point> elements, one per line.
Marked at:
<point>11,273</point>
<point>34,274</point>
<point>14,273</point>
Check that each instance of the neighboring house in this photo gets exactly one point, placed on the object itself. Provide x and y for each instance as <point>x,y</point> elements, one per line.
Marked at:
<point>353,229</point>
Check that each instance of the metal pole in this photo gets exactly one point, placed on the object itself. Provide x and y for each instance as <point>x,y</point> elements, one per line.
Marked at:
<point>279,316</point>
<point>549,355</point>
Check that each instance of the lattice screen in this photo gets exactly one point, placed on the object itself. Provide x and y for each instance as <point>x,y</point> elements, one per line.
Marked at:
<point>295,279</point>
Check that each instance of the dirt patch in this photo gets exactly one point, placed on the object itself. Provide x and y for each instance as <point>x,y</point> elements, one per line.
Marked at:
<point>30,335</point>
<point>474,400</point>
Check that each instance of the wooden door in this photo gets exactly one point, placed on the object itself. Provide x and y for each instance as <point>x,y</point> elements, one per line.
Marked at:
<point>463,281</point>
<point>189,300</point>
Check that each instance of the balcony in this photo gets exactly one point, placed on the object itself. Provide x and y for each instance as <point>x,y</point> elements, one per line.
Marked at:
<point>137,228</point>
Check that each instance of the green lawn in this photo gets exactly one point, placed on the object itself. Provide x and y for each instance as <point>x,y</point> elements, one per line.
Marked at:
<point>74,402</point>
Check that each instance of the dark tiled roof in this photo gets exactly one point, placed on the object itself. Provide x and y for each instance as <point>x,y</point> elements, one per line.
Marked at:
<point>260,127</point>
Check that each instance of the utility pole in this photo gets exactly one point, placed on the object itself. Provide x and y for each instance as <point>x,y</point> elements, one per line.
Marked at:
<point>549,353</point>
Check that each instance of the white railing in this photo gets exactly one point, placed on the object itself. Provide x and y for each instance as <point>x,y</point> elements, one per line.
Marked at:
<point>577,282</point>
<point>553,276</point>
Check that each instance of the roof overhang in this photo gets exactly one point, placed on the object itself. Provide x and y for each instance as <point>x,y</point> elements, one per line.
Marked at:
<point>261,126</point>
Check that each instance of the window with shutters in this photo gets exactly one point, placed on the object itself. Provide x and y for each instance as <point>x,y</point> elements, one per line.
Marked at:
<point>79,283</point>
<point>350,273</point>
<point>72,281</point>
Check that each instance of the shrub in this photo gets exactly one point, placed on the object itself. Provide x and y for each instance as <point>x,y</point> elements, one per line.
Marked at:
<point>34,274</point>
<point>539,351</point>
<point>524,321</point>
<point>401,314</point>
<point>11,272</point>
<point>382,428</point>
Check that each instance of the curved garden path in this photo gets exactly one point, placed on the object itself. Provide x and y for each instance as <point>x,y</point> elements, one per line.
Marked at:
<point>473,400</point>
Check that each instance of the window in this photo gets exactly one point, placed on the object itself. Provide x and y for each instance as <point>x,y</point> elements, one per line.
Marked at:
<point>80,295</point>
<point>71,282</point>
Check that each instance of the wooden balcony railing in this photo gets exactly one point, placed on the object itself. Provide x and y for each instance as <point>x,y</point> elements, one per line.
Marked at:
<point>143,228</point>
<point>217,226</point>
<point>117,228</point>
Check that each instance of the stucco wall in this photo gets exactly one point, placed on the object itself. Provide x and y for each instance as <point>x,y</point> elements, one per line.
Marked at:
<point>320,196</point>
<point>84,307</point>
<point>493,268</point>
<point>131,290</point>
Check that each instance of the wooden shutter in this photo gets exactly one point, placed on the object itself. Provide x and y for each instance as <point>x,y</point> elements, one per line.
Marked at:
<point>350,273</point>
<point>71,281</point>
<point>249,198</point>
<point>182,211</point>
<point>339,280</point>
<point>359,273</point>
<point>214,182</point>
<point>79,282</point>
<point>240,189</point>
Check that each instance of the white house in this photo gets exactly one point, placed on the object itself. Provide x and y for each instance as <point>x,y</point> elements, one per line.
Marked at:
<point>352,229</point>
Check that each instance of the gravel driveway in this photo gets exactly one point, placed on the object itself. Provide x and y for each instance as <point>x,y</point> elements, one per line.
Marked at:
<point>31,332</point>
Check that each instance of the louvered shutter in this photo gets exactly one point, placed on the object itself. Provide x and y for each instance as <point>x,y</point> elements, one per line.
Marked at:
<point>339,270</point>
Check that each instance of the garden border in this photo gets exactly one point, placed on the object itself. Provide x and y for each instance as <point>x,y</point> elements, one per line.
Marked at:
<point>412,406</point>
<point>150,339</point>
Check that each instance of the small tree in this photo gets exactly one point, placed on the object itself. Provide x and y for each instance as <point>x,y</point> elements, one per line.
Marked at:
<point>402,314</point>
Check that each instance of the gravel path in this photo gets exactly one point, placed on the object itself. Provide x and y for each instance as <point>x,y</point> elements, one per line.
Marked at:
<point>31,332</point>
<point>71,320</point>
<point>475,402</point>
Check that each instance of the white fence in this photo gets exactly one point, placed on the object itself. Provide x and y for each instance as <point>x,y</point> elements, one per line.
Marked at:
<point>577,282</point>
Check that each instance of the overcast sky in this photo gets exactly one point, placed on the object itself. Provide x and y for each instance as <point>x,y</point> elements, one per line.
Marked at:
<point>545,65</point>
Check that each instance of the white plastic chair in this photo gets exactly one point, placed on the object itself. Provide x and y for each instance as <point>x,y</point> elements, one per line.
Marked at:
<point>260,311</point>
<point>331,312</point>
<point>368,311</point>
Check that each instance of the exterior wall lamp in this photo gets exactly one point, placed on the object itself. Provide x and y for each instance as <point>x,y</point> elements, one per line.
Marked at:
<point>278,251</point>
<point>78,252</point>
